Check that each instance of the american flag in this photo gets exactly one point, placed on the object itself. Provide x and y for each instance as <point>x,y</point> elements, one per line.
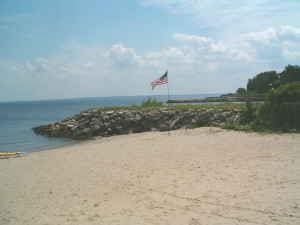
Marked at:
<point>162,80</point>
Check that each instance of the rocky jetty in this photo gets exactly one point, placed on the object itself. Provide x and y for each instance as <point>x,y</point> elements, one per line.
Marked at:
<point>102,122</point>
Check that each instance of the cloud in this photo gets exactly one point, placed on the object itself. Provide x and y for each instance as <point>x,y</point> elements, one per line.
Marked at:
<point>122,56</point>
<point>225,16</point>
<point>221,7</point>
<point>275,45</point>
<point>211,47</point>
<point>201,42</point>
<point>196,63</point>
<point>271,35</point>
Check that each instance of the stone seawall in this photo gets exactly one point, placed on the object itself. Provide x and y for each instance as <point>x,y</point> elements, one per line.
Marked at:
<point>101,122</point>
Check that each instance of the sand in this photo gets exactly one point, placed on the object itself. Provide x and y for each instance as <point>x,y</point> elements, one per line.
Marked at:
<point>190,177</point>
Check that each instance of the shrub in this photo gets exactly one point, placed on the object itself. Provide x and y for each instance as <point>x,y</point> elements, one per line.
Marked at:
<point>263,82</point>
<point>282,108</point>
<point>248,114</point>
<point>241,92</point>
<point>285,93</point>
<point>151,102</point>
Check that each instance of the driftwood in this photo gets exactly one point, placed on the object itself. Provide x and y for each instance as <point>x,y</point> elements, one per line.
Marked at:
<point>6,155</point>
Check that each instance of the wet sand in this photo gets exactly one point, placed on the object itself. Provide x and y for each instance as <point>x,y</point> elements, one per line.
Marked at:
<point>190,177</point>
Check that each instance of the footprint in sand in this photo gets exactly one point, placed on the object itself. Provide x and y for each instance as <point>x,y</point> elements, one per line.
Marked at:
<point>194,221</point>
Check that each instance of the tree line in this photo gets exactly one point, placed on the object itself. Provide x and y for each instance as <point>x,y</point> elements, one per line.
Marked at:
<point>281,107</point>
<point>264,82</point>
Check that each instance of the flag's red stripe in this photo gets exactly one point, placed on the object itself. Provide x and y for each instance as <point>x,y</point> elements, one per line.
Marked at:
<point>154,84</point>
<point>162,80</point>
<point>159,82</point>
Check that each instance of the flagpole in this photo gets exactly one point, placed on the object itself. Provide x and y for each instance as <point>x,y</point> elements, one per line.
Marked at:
<point>168,91</point>
<point>168,104</point>
<point>164,80</point>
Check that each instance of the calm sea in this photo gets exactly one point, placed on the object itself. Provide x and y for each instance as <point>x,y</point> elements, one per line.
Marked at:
<point>17,119</point>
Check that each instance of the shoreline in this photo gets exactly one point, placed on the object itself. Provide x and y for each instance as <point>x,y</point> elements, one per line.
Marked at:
<point>98,139</point>
<point>47,148</point>
<point>74,143</point>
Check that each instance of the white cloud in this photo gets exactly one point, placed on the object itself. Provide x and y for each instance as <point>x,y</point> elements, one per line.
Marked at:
<point>276,46</point>
<point>232,16</point>
<point>192,38</point>
<point>271,35</point>
<point>201,42</point>
<point>209,47</point>
<point>122,56</point>
<point>196,64</point>
<point>222,7</point>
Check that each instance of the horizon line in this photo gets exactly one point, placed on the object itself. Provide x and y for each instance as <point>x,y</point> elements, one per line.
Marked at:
<point>109,96</point>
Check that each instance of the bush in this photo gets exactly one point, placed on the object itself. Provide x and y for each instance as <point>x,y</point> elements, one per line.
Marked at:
<point>282,108</point>
<point>285,93</point>
<point>241,92</point>
<point>248,114</point>
<point>151,102</point>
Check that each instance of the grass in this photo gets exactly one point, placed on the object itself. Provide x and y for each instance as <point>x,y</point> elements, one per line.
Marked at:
<point>224,106</point>
<point>160,105</point>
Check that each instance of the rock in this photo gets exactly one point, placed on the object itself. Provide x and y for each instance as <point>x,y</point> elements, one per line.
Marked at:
<point>138,117</point>
<point>174,122</point>
<point>85,114</point>
<point>96,127</point>
<point>109,112</point>
<point>86,130</point>
<point>74,128</point>
<point>98,122</point>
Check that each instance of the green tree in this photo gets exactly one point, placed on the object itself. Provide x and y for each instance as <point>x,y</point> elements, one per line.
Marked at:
<point>290,74</point>
<point>282,107</point>
<point>266,81</point>
<point>263,82</point>
<point>241,91</point>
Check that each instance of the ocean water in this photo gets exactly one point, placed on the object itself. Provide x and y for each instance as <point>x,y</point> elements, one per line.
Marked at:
<point>18,118</point>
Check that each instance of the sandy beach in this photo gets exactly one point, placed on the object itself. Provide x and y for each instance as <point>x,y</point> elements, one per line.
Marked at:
<point>188,177</point>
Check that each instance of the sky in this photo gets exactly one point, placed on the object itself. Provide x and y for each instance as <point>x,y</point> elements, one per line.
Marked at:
<point>59,49</point>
